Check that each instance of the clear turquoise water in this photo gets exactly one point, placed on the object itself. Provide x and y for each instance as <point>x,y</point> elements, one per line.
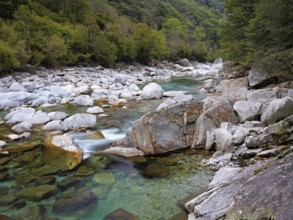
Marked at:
<point>133,190</point>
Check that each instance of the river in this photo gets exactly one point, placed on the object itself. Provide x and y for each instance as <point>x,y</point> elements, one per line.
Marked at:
<point>148,187</point>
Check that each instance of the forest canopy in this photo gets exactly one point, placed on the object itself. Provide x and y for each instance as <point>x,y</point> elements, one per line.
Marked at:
<point>55,33</point>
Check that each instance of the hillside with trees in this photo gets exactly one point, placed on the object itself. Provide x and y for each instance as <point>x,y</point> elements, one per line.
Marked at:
<point>54,33</point>
<point>259,30</point>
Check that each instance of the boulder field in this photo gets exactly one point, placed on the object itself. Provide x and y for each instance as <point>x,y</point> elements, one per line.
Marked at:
<point>248,123</point>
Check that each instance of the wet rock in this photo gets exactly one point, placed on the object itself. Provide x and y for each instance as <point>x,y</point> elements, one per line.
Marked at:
<point>37,212</point>
<point>156,171</point>
<point>56,125</point>
<point>94,135</point>
<point>43,180</point>
<point>85,171</point>
<point>46,170</point>
<point>68,204</point>
<point>277,110</point>
<point>152,91</point>
<point>78,121</point>
<point>247,110</point>
<point>176,122</point>
<point>7,200</point>
<point>71,182</point>
<point>37,193</point>
<point>61,152</point>
<point>124,152</point>
<point>22,127</point>
<point>21,147</point>
<point>27,157</point>
<point>167,161</point>
<point>120,214</point>
<point>57,115</point>
<point>95,110</point>
<point>105,178</point>
<point>24,179</point>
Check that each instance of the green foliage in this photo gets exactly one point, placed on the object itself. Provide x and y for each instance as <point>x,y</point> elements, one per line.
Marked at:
<point>8,58</point>
<point>259,30</point>
<point>69,32</point>
<point>148,43</point>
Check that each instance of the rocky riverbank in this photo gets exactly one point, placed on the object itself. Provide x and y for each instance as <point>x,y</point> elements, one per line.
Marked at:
<point>247,120</point>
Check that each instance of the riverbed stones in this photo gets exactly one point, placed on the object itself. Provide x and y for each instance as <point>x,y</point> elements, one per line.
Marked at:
<point>120,214</point>
<point>152,91</point>
<point>56,125</point>
<point>22,127</point>
<point>70,203</point>
<point>60,151</point>
<point>78,121</point>
<point>156,171</point>
<point>123,151</point>
<point>57,115</point>
<point>83,100</point>
<point>37,193</point>
<point>95,110</point>
<point>105,178</point>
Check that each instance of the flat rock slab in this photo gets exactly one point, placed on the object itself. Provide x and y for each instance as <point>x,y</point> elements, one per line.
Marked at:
<point>37,193</point>
<point>120,214</point>
<point>70,203</point>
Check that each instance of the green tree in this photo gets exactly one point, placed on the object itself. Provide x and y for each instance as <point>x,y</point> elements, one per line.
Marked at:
<point>149,43</point>
<point>233,30</point>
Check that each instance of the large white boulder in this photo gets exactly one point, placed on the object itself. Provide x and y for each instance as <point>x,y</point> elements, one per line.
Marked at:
<point>247,110</point>
<point>277,110</point>
<point>152,91</point>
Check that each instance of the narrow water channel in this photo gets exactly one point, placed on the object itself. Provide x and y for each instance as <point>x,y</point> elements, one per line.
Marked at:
<point>149,187</point>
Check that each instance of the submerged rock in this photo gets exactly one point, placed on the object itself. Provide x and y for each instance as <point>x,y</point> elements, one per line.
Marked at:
<point>37,193</point>
<point>156,171</point>
<point>105,178</point>
<point>60,151</point>
<point>70,203</point>
<point>120,214</point>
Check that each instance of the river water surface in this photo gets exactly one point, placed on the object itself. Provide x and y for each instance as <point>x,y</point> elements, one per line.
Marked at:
<point>148,187</point>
